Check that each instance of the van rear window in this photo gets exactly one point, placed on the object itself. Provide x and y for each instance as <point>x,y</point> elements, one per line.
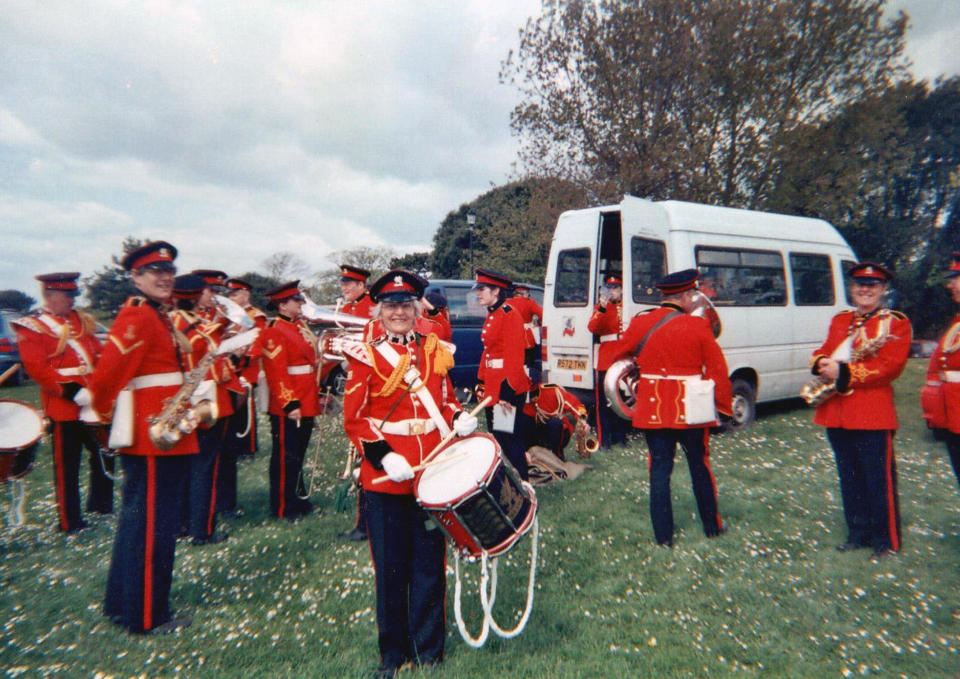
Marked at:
<point>812,279</point>
<point>649,264</point>
<point>731,277</point>
<point>573,278</point>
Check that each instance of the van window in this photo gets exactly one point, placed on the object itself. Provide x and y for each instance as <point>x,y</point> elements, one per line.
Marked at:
<point>464,308</point>
<point>732,277</point>
<point>812,279</point>
<point>649,264</point>
<point>846,265</point>
<point>573,278</point>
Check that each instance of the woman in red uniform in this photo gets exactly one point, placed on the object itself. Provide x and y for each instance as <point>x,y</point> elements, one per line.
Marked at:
<point>865,351</point>
<point>143,356</point>
<point>289,356</point>
<point>396,425</point>
<point>941,395</point>
<point>673,350</point>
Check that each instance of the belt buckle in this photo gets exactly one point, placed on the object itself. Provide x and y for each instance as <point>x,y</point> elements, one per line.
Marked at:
<point>416,428</point>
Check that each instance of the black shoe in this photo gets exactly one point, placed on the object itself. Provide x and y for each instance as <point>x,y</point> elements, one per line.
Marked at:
<point>665,543</point>
<point>850,546</point>
<point>79,526</point>
<point>214,539</point>
<point>231,513</point>
<point>355,535</point>
<point>386,672</point>
<point>171,625</point>
<point>881,553</point>
<point>715,532</point>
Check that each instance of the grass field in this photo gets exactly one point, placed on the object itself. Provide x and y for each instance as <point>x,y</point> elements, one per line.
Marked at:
<point>770,598</point>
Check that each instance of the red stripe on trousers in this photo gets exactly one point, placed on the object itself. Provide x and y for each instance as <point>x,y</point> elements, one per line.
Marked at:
<point>58,475</point>
<point>213,494</point>
<point>713,480</point>
<point>148,543</point>
<point>891,498</point>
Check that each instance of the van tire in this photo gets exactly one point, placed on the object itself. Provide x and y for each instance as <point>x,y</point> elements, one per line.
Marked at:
<point>744,405</point>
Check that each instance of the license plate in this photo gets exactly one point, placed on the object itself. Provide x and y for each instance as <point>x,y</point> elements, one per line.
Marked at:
<point>572,363</point>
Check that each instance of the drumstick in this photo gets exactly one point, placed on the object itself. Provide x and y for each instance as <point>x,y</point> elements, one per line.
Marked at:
<point>480,406</point>
<point>424,465</point>
<point>9,372</point>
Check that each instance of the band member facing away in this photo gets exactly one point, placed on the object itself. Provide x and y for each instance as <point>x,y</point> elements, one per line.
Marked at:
<point>396,427</point>
<point>941,395</point>
<point>674,349</point>
<point>532,313</point>
<point>501,374</point>
<point>606,324</point>
<point>437,309</point>
<point>59,350</point>
<point>142,357</point>
<point>865,351</point>
<point>192,293</point>
<point>289,355</point>
<point>557,416</point>
<point>353,288</point>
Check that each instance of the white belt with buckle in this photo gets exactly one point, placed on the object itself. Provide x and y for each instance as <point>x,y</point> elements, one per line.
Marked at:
<point>155,380</point>
<point>495,363</point>
<point>70,372</point>
<point>299,369</point>
<point>411,427</point>
<point>609,338</point>
<point>950,375</point>
<point>646,376</point>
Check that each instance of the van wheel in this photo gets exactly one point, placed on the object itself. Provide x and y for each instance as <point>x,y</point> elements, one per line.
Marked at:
<point>744,405</point>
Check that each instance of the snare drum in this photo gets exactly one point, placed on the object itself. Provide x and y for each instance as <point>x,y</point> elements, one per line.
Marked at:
<point>21,426</point>
<point>477,498</point>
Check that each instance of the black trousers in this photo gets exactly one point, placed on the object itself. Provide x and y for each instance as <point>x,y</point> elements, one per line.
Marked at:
<point>552,436</point>
<point>141,568</point>
<point>68,441</point>
<point>868,485</point>
<point>286,460</point>
<point>513,444</point>
<point>202,484</point>
<point>696,445</point>
<point>409,560</point>
<point>953,449</point>
<point>611,428</point>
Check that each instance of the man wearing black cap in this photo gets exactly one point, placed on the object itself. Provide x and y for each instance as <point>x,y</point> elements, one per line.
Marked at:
<point>398,404</point>
<point>144,359</point>
<point>59,350</point>
<point>940,398</point>
<point>356,300</point>
<point>289,355</point>
<point>865,351</point>
<point>678,356</point>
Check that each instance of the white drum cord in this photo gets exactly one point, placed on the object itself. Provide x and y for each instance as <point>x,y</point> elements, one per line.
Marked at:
<point>18,496</point>
<point>488,595</point>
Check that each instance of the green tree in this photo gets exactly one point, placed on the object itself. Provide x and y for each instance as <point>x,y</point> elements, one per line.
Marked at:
<point>16,300</point>
<point>687,99</point>
<point>417,262</point>
<point>326,283</point>
<point>109,288</point>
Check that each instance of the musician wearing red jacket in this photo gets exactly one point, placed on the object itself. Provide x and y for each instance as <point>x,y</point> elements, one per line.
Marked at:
<point>865,351</point>
<point>59,350</point>
<point>556,414</point>
<point>501,374</point>
<point>396,423</point>
<point>606,325</point>
<point>194,295</point>
<point>356,300</point>
<point>289,355</point>
<point>143,357</point>
<point>675,352</point>
<point>532,314</point>
<point>940,398</point>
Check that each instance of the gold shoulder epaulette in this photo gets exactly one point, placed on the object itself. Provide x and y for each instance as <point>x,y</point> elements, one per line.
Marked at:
<point>87,322</point>
<point>898,315</point>
<point>137,300</point>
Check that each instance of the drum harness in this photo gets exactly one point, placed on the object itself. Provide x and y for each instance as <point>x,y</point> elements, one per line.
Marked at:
<point>488,566</point>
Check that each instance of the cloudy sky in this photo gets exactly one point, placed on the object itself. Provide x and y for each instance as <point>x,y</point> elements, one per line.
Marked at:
<point>239,129</point>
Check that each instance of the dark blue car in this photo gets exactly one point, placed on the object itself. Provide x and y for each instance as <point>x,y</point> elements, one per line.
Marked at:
<point>9,355</point>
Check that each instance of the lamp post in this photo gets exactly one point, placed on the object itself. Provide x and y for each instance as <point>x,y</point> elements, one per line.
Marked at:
<point>471,223</point>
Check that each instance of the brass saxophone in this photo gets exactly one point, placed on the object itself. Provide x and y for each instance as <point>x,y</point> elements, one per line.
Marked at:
<point>820,389</point>
<point>179,416</point>
<point>587,445</point>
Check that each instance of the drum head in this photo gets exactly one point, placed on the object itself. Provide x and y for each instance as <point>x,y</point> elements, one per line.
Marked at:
<point>20,425</point>
<point>447,481</point>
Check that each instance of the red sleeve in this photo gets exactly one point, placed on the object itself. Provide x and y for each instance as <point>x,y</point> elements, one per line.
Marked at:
<point>125,349</point>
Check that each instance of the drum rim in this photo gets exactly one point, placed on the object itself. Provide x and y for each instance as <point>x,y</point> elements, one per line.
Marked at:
<point>460,498</point>
<point>4,450</point>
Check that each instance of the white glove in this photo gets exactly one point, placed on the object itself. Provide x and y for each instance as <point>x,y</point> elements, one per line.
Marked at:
<point>397,467</point>
<point>465,424</point>
<point>82,398</point>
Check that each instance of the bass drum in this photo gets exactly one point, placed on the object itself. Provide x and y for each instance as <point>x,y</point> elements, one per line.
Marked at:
<point>21,427</point>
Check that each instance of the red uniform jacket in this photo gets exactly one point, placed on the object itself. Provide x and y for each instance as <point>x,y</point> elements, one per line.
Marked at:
<point>141,343</point>
<point>555,401</point>
<point>866,400</point>
<point>251,371</point>
<point>425,326</point>
<point>528,308</point>
<point>362,306</point>
<point>607,324</point>
<point>205,337</point>
<point>290,364</point>
<point>54,351</point>
<point>504,341</point>
<point>442,319</point>
<point>682,347</point>
<point>940,398</point>
<point>375,392</point>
